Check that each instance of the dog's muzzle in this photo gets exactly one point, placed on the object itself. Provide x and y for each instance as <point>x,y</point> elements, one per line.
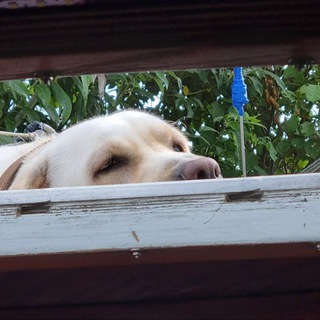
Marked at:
<point>201,168</point>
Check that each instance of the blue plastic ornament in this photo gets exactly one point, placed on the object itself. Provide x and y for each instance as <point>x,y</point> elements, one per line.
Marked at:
<point>239,91</point>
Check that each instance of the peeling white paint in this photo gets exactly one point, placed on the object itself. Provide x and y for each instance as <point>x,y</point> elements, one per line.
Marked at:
<point>169,214</point>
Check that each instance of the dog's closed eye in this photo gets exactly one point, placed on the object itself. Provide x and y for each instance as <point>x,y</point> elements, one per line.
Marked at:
<point>178,148</point>
<point>109,164</point>
<point>112,163</point>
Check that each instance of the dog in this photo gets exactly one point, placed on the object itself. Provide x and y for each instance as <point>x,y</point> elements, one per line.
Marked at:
<point>125,147</point>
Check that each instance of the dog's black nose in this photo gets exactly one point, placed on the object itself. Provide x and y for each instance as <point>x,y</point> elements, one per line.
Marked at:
<point>201,168</point>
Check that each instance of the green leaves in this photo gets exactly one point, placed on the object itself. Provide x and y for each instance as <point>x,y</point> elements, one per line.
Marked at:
<point>43,93</point>
<point>83,83</point>
<point>266,141</point>
<point>258,87</point>
<point>162,81</point>
<point>17,87</point>
<point>63,101</point>
<point>292,123</point>
<point>281,129</point>
<point>308,129</point>
<point>311,92</point>
<point>217,111</point>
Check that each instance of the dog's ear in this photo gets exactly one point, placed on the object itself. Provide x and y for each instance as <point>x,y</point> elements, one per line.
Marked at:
<point>31,175</point>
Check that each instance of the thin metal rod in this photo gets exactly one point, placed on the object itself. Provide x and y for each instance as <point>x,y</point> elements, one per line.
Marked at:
<point>20,135</point>
<point>243,148</point>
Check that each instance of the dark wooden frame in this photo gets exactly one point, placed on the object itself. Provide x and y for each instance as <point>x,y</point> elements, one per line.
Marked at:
<point>131,35</point>
<point>279,281</point>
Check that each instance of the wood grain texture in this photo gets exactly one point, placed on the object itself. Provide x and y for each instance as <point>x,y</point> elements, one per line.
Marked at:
<point>72,251</point>
<point>139,283</point>
<point>108,36</point>
<point>282,306</point>
<point>215,259</point>
<point>174,214</point>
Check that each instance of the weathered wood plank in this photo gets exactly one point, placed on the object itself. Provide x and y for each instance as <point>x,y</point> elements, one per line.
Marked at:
<point>112,36</point>
<point>174,214</point>
<point>160,189</point>
<point>282,306</point>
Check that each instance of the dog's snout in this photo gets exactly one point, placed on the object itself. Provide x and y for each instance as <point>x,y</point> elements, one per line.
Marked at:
<point>202,168</point>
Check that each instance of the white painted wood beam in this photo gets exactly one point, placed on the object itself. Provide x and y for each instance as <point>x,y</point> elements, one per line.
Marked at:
<point>262,210</point>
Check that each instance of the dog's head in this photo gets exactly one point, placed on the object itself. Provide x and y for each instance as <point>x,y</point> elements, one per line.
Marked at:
<point>126,147</point>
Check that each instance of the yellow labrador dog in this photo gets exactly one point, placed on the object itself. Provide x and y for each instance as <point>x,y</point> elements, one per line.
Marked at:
<point>126,147</point>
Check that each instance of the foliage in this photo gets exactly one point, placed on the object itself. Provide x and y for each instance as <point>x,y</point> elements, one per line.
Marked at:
<point>281,119</point>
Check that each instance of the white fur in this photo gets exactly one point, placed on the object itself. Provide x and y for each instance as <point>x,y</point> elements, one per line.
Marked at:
<point>76,157</point>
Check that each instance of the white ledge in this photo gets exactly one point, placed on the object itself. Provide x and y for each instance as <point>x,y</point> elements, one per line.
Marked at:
<point>159,189</point>
<point>273,209</point>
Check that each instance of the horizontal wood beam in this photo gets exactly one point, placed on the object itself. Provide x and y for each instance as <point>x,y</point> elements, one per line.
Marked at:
<point>112,36</point>
<point>224,241</point>
<point>159,256</point>
<point>280,306</point>
<point>139,284</point>
<point>241,211</point>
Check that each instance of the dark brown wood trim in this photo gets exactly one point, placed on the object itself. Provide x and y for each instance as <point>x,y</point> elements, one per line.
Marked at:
<point>285,306</point>
<point>158,256</point>
<point>112,36</point>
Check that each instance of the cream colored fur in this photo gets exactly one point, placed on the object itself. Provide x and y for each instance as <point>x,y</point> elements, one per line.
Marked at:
<point>126,147</point>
